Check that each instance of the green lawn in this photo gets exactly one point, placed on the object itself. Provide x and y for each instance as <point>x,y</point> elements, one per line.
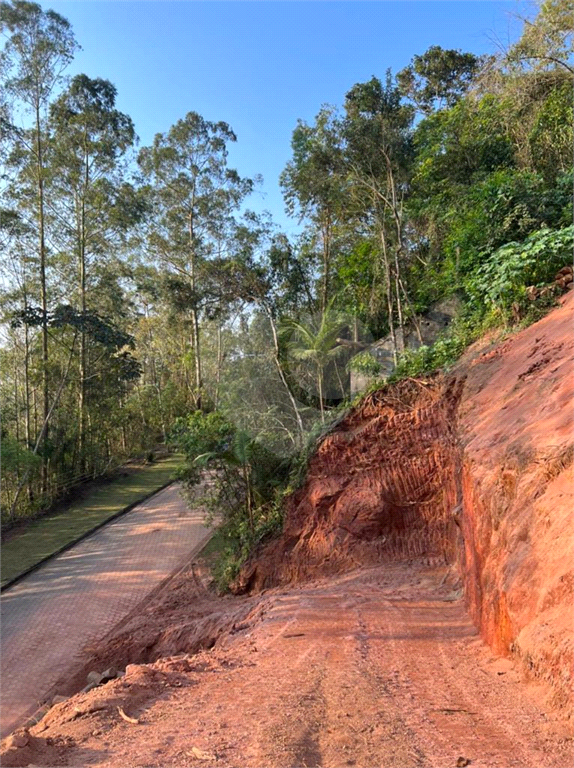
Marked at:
<point>47,535</point>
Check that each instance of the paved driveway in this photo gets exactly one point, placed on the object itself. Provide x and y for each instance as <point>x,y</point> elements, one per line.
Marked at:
<point>80,595</point>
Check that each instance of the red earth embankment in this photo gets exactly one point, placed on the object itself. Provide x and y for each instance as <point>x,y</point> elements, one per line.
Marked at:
<point>474,470</point>
<point>516,431</point>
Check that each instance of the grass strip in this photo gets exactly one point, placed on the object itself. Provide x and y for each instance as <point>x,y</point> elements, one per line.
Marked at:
<point>51,534</point>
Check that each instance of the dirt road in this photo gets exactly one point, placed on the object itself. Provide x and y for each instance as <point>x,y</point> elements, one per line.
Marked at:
<point>381,667</point>
<point>77,597</point>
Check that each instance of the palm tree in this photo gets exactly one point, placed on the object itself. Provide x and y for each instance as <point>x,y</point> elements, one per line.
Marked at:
<point>315,341</point>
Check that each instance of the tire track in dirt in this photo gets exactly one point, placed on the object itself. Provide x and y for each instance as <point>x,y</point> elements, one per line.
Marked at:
<point>371,730</point>
<point>381,667</point>
<point>453,713</point>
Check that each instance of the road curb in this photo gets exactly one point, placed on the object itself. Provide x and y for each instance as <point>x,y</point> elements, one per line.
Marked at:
<point>123,511</point>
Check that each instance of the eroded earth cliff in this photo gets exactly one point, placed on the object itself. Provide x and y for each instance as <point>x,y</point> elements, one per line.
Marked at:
<point>474,469</point>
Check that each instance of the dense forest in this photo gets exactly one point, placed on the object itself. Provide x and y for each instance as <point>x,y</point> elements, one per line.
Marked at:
<point>143,303</point>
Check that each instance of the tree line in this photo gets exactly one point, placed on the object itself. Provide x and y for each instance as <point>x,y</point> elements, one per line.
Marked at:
<point>143,302</point>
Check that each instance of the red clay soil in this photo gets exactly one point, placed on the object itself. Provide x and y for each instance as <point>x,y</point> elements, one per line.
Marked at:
<point>378,667</point>
<point>477,470</point>
<point>516,430</point>
<point>351,644</point>
<point>379,488</point>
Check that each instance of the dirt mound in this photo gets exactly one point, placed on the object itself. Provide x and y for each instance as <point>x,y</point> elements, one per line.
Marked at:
<point>182,616</point>
<point>477,469</point>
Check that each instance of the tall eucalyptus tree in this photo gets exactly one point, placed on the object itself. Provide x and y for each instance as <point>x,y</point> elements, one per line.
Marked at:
<point>195,195</point>
<point>313,185</point>
<point>92,203</point>
<point>379,153</point>
<point>40,44</point>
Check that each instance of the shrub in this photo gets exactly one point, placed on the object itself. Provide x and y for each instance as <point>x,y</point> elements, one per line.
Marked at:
<point>502,279</point>
<point>364,363</point>
<point>447,349</point>
<point>245,489</point>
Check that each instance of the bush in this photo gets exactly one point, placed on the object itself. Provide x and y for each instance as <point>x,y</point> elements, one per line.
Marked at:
<point>364,363</point>
<point>447,349</point>
<point>502,279</point>
<point>199,433</point>
<point>246,484</point>
<point>240,540</point>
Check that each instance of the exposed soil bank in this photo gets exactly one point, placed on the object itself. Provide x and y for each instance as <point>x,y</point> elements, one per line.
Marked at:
<point>475,470</point>
<point>516,431</point>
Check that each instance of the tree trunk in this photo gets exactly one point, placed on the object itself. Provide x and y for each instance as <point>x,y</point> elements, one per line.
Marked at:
<point>326,237</point>
<point>83,306</point>
<point>396,210</point>
<point>157,387</point>
<point>401,334</point>
<point>320,383</point>
<point>17,414</point>
<point>389,291</point>
<point>43,289</point>
<point>44,429</point>
<point>281,372</point>
<point>83,373</point>
<point>195,318</point>
<point>415,321</point>
<point>219,365</point>
<point>27,407</point>
<point>248,495</point>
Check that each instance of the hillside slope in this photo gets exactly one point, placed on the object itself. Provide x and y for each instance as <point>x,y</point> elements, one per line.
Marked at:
<point>354,645</point>
<point>474,470</point>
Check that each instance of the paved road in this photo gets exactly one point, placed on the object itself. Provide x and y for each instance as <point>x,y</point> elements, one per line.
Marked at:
<point>76,598</point>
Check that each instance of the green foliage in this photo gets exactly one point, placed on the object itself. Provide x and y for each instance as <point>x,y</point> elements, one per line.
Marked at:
<point>246,484</point>
<point>461,145</point>
<point>317,430</point>
<point>546,41</point>
<point>551,135</point>
<point>505,207</point>
<point>494,288</point>
<point>314,346</point>
<point>202,433</point>
<point>438,78</point>
<point>40,46</point>
<point>446,350</point>
<point>503,278</point>
<point>240,541</point>
<point>15,458</point>
<point>359,286</point>
<point>311,182</point>
<point>118,343</point>
<point>364,363</point>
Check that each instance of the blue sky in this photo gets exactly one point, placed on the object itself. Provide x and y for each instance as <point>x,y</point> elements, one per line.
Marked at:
<point>260,66</point>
